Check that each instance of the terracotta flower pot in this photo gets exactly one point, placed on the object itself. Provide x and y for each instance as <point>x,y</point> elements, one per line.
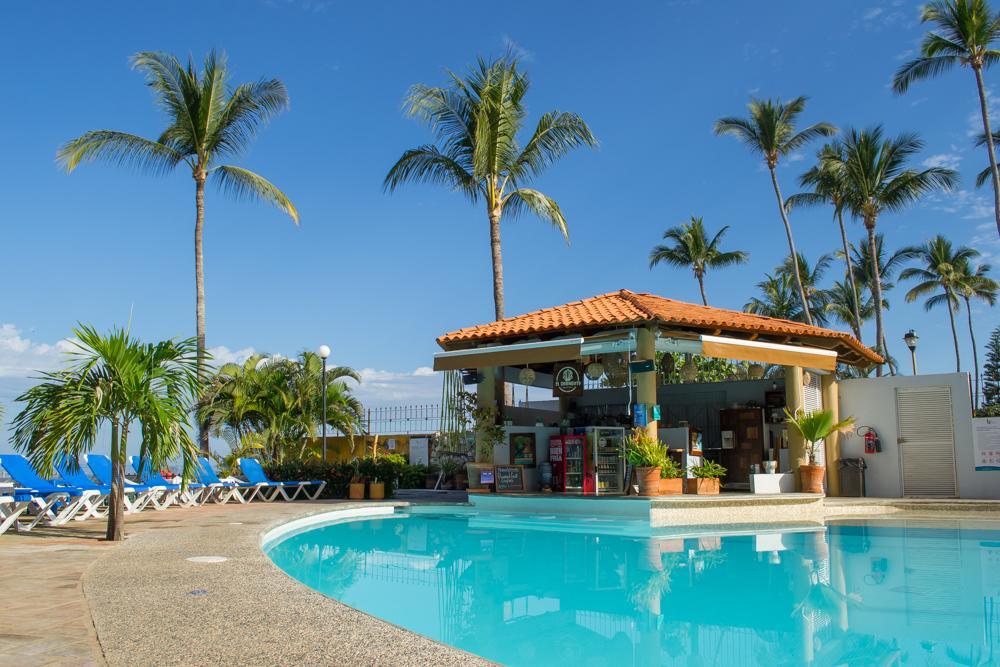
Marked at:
<point>376,490</point>
<point>356,491</point>
<point>703,487</point>
<point>811,477</point>
<point>671,486</point>
<point>649,481</point>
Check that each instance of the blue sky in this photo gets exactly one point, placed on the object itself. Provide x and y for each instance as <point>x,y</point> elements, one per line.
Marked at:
<point>378,277</point>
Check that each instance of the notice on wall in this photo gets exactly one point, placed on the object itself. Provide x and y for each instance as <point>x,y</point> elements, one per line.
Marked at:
<point>509,478</point>
<point>986,443</point>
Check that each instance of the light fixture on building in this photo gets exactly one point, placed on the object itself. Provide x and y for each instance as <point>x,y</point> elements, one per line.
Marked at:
<point>755,371</point>
<point>526,376</point>
<point>911,339</point>
<point>324,352</point>
<point>594,370</point>
<point>690,371</point>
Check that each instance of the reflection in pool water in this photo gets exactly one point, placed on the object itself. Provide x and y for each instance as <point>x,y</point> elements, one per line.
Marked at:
<point>850,595</point>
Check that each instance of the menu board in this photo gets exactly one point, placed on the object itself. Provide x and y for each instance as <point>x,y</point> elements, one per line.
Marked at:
<point>509,478</point>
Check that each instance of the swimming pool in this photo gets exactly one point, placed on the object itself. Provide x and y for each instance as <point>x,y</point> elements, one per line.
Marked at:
<point>543,590</point>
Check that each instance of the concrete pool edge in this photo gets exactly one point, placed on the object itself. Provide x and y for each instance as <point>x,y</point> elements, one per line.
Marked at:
<point>151,606</point>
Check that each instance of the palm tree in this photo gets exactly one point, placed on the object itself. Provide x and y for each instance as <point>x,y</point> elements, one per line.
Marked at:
<point>691,248</point>
<point>207,122</point>
<point>476,120</point>
<point>828,187</point>
<point>770,132</point>
<point>975,284</point>
<point>812,277</point>
<point>842,304</point>
<point>271,404</point>
<point>778,298</point>
<point>942,269</point>
<point>878,179</point>
<point>966,32</point>
<point>116,381</point>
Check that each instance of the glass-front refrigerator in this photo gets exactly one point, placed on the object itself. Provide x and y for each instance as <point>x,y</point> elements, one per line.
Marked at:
<point>608,447</point>
<point>567,453</point>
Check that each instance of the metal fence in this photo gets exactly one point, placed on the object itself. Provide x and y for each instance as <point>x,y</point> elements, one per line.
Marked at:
<point>403,419</point>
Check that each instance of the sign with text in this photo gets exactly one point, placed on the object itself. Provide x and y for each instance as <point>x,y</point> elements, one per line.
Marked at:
<point>643,366</point>
<point>567,379</point>
<point>509,478</point>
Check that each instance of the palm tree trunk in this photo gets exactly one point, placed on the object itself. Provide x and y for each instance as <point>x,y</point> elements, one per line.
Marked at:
<point>850,274</point>
<point>984,109</point>
<point>791,246</point>
<point>954,331</point>
<point>701,286</point>
<point>888,357</point>
<point>116,503</point>
<point>199,280</point>
<point>876,292</point>
<point>975,353</point>
<point>497,264</point>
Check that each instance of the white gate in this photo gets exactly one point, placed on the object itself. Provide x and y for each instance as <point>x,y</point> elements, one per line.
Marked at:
<point>926,441</point>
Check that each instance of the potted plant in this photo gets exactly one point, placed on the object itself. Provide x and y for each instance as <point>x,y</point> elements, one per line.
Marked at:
<point>814,427</point>
<point>671,478</point>
<point>646,455</point>
<point>376,489</point>
<point>430,480</point>
<point>356,488</point>
<point>706,478</point>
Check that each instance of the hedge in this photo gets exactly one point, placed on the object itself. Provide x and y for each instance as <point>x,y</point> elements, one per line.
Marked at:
<point>390,469</point>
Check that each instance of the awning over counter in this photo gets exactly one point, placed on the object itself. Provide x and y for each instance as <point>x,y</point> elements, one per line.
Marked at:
<point>517,354</point>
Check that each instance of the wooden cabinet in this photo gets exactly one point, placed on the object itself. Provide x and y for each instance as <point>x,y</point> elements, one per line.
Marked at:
<point>747,425</point>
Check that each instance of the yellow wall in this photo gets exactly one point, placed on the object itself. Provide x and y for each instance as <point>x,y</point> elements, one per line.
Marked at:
<point>338,447</point>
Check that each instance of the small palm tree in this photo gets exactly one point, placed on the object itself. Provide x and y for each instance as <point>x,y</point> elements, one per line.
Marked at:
<point>814,427</point>
<point>942,270</point>
<point>208,122</point>
<point>975,284</point>
<point>692,249</point>
<point>115,381</point>
<point>966,33</point>
<point>477,120</point>
<point>828,187</point>
<point>812,277</point>
<point>770,132</point>
<point>878,179</point>
<point>778,298</point>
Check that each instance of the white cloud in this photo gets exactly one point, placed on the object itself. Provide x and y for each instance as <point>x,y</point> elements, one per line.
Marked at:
<point>424,371</point>
<point>965,204</point>
<point>22,357</point>
<point>223,355</point>
<point>422,385</point>
<point>987,242</point>
<point>946,160</point>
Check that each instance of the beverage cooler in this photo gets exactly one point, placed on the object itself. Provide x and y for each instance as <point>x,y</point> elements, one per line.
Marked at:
<point>568,456</point>
<point>606,449</point>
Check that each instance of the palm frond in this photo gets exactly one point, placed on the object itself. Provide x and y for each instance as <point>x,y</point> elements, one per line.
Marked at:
<point>546,208</point>
<point>242,183</point>
<point>118,148</point>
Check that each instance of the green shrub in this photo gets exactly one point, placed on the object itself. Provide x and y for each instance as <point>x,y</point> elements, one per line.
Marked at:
<point>708,470</point>
<point>336,475</point>
<point>413,476</point>
<point>670,469</point>
<point>644,451</point>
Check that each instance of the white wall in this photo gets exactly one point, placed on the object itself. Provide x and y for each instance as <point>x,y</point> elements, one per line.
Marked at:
<point>872,402</point>
<point>501,453</point>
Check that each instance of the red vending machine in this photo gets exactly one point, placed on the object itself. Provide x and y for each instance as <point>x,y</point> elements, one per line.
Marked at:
<point>568,456</point>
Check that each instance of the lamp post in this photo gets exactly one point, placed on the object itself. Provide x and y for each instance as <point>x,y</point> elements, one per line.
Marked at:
<point>911,339</point>
<point>324,351</point>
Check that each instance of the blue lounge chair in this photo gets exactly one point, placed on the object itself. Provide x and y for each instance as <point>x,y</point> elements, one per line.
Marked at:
<point>241,492</point>
<point>53,504</point>
<point>254,472</point>
<point>102,467</point>
<point>189,496</point>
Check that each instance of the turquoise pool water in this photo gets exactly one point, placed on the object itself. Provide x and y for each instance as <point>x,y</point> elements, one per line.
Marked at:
<point>542,590</point>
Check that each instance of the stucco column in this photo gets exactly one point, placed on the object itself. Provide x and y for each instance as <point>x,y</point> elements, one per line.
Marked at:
<point>794,402</point>
<point>831,402</point>
<point>645,348</point>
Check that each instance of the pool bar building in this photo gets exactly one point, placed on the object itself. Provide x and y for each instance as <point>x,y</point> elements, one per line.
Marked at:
<point>598,356</point>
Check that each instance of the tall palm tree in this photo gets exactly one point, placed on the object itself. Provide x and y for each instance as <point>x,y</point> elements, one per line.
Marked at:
<point>778,298</point>
<point>770,131</point>
<point>975,284</point>
<point>966,33</point>
<point>116,381</point>
<point>942,269</point>
<point>208,121</point>
<point>692,249</point>
<point>878,180</point>
<point>812,278</point>
<point>842,304</point>
<point>828,187</point>
<point>477,120</point>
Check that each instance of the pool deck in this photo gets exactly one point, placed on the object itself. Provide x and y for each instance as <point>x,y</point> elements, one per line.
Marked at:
<point>71,599</point>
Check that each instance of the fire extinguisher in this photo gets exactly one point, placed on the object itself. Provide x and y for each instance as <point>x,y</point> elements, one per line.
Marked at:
<point>872,443</point>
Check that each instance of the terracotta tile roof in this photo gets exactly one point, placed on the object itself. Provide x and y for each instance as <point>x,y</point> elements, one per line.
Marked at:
<point>628,308</point>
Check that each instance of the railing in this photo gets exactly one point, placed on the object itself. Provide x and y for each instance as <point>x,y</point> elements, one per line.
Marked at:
<point>402,419</point>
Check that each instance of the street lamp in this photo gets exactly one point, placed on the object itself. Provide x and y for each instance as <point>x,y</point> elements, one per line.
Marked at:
<point>911,342</point>
<point>324,351</point>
